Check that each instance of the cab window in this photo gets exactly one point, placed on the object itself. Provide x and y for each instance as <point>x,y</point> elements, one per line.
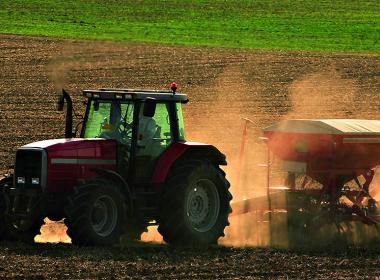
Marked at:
<point>110,120</point>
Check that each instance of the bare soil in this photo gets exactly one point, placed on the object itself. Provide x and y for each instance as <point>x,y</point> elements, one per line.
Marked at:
<point>142,261</point>
<point>224,85</point>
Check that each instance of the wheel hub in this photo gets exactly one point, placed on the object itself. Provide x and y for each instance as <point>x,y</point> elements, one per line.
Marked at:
<point>203,205</point>
<point>104,215</point>
<point>198,204</point>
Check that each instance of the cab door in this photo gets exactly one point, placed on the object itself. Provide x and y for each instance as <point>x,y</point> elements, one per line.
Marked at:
<point>154,135</point>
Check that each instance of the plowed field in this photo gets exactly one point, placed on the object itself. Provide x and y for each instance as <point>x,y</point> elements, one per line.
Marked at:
<point>224,85</point>
<point>162,262</point>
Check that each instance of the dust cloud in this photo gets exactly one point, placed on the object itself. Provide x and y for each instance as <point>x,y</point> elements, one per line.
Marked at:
<point>323,95</point>
<point>58,70</point>
<point>216,117</point>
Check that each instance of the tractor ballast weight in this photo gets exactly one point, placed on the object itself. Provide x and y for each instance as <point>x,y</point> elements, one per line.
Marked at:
<point>130,168</point>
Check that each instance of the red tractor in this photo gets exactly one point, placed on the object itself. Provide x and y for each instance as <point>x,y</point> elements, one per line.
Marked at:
<point>130,168</point>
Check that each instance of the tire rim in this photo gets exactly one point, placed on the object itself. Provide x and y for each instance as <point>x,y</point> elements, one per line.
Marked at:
<point>104,215</point>
<point>203,205</point>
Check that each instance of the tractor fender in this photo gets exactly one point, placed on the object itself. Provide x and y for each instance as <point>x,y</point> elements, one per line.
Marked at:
<point>119,181</point>
<point>184,150</point>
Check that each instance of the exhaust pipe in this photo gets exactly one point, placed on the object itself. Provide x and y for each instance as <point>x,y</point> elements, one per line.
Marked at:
<point>69,112</point>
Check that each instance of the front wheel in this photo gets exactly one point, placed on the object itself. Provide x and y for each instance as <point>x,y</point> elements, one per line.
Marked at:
<point>95,214</point>
<point>195,205</point>
<point>14,226</point>
<point>23,230</point>
<point>5,183</point>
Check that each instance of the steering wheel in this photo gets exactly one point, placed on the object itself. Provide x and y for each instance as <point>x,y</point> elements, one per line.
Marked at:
<point>125,131</point>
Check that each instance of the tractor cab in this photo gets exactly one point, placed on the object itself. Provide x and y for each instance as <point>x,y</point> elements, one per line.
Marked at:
<point>142,122</point>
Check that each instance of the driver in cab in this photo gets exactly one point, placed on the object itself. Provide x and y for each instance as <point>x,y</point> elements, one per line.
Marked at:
<point>115,128</point>
<point>148,129</point>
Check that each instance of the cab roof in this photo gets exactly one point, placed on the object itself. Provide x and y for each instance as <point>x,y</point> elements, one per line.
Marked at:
<point>135,94</point>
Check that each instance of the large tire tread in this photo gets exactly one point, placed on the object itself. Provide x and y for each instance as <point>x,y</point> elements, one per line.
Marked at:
<point>26,236</point>
<point>78,210</point>
<point>7,229</point>
<point>172,226</point>
<point>4,183</point>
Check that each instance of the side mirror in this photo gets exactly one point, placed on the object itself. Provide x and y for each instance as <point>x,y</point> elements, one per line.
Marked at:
<point>149,107</point>
<point>60,103</point>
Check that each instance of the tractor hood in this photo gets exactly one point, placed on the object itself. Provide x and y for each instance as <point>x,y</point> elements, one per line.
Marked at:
<point>64,163</point>
<point>77,148</point>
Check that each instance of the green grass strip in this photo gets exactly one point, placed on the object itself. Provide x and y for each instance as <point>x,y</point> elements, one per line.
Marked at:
<point>325,25</point>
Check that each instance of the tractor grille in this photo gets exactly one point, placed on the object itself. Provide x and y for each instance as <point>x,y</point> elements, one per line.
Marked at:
<point>30,171</point>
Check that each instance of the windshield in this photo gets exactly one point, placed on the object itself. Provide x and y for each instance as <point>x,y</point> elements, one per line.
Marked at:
<point>110,120</point>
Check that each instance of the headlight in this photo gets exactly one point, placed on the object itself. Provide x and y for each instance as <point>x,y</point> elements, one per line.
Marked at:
<point>20,180</point>
<point>35,181</point>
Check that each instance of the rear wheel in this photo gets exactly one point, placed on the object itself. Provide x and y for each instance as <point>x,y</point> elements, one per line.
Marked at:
<point>95,214</point>
<point>195,205</point>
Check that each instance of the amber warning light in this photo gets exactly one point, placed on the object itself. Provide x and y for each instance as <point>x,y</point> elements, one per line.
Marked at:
<point>173,87</point>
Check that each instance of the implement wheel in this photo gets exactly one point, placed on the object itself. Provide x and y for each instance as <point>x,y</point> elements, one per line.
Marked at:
<point>195,205</point>
<point>95,214</point>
